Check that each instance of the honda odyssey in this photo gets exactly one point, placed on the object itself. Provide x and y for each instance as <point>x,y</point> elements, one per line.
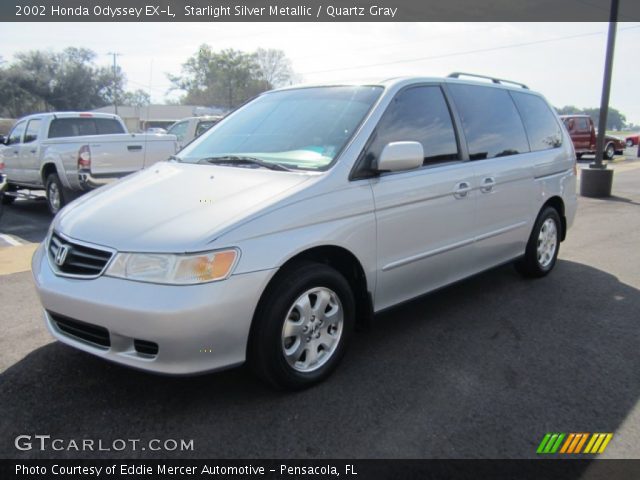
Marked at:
<point>300,215</point>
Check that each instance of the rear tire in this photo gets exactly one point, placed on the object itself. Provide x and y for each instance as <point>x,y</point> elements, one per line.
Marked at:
<point>543,245</point>
<point>302,326</point>
<point>55,192</point>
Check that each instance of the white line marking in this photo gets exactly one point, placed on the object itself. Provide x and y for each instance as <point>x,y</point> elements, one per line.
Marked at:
<point>10,240</point>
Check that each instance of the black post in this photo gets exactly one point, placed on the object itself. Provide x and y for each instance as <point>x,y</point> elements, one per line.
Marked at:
<point>606,85</point>
<point>597,180</point>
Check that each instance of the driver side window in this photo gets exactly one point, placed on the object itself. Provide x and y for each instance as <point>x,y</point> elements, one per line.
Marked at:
<point>418,114</point>
<point>179,130</point>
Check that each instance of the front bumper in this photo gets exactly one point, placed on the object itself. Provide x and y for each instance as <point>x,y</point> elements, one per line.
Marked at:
<point>197,328</point>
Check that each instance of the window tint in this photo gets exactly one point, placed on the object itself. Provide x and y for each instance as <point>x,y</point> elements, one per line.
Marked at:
<point>16,134</point>
<point>74,127</point>
<point>33,128</point>
<point>542,127</point>
<point>418,114</point>
<point>490,120</point>
<point>204,126</point>
<point>108,126</point>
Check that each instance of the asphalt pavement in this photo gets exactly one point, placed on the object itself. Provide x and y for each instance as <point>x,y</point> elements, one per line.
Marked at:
<point>481,369</point>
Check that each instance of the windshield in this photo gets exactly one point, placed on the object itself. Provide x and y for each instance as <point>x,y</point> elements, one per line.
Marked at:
<point>302,129</point>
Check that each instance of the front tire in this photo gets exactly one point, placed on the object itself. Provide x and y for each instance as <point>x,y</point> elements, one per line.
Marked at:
<point>629,143</point>
<point>543,245</point>
<point>9,199</point>
<point>609,151</point>
<point>56,198</point>
<point>302,327</point>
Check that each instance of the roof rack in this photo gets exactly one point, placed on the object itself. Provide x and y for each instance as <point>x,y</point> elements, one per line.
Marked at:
<point>494,80</point>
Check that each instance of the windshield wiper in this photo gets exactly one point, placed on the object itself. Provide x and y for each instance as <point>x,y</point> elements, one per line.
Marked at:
<point>231,159</point>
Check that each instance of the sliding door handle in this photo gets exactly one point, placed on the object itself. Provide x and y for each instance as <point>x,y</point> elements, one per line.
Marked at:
<point>461,190</point>
<point>487,184</point>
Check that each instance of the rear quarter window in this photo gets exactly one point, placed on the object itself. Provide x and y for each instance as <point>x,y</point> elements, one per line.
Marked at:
<point>540,123</point>
<point>490,120</point>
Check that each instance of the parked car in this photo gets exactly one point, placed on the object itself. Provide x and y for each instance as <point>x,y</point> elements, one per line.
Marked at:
<point>69,153</point>
<point>583,134</point>
<point>632,140</point>
<point>192,127</point>
<point>302,213</point>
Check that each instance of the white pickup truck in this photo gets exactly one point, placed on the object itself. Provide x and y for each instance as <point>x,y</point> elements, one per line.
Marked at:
<point>69,153</point>
<point>192,127</point>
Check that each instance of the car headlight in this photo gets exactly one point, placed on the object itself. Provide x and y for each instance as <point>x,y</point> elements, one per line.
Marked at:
<point>174,269</point>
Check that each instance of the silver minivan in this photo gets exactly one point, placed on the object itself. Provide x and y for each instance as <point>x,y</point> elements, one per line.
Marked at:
<point>299,216</point>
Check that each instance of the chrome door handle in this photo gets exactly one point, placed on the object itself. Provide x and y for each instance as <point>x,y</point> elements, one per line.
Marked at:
<point>462,189</point>
<point>487,184</point>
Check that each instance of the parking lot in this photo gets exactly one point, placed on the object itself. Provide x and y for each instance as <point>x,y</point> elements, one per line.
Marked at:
<point>481,369</point>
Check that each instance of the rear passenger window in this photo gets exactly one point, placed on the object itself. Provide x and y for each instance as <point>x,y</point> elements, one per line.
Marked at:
<point>490,120</point>
<point>418,114</point>
<point>542,127</point>
<point>31,134</point>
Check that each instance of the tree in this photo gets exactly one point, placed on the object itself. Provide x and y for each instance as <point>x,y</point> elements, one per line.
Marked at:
<point>274,67</point>
<point>615,119</point>
<point>137,98</point>
<point>40,80</point>
<point>230,77</point>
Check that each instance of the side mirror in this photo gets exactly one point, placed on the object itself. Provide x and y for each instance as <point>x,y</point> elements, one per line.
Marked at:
<point>398,156</point>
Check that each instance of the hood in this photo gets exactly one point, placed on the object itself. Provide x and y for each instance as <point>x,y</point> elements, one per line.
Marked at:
<point>173,207</point>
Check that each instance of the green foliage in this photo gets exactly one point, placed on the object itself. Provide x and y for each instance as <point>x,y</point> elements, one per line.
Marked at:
<point>615,119</point>
<point>41,80</point>
<point>230,77</point>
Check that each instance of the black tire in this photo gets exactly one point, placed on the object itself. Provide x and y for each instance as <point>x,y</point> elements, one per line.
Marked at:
<point>609,151</point>
<point>629,144</point>
<point>530,265</point>
<point>9,199</point>
<point>53,182</point>
<point>578,156</point>
<point>266,355</point>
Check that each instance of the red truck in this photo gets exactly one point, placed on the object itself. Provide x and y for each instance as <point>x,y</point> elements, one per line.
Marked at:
<point>583,134</point>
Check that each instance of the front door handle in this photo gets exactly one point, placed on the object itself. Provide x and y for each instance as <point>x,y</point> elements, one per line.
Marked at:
<point>461,190</point>
<point>487,184</point>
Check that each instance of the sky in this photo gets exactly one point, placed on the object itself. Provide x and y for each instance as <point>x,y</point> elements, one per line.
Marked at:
<point>563,61</point>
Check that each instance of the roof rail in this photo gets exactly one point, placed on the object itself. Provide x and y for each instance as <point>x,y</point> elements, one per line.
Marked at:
<point>494,80</point>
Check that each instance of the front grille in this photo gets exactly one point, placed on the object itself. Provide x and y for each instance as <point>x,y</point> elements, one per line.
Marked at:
<point>84,331</point>
<point>145,347</point>
<point>79,260</point>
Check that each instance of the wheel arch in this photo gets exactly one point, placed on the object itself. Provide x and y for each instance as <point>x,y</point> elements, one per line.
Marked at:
<point>46,170</point>
<point>342,260</point>
<point>557,203</point>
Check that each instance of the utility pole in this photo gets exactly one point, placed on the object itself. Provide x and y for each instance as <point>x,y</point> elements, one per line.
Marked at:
<point>597,180</point>
<point>115,80</point>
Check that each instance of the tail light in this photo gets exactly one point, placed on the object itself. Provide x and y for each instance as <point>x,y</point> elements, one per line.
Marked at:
<point>84,158</point>
<point>1,165</point>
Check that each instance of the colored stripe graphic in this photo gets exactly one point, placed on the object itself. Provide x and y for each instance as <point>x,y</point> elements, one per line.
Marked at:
<point>572,443</point>
<point>550,443</point>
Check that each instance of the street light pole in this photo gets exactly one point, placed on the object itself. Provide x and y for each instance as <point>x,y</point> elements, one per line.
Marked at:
<point>597,180</point>
<point>115,81</point>
<point>606,85</point>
